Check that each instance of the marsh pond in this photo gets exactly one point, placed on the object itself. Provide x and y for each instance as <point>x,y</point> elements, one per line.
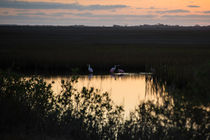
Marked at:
<point>128,89</point>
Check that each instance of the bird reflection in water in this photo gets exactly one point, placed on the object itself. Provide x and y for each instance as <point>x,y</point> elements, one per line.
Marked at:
<point>113,75</point>
<point>90,76</point>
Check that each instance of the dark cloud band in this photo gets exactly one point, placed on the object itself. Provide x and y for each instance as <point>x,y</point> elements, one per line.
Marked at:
<point>50,5</point>
<point>193,6</point>
<point>104,19</point>
<point>206,12</point>
<point>173,11</point>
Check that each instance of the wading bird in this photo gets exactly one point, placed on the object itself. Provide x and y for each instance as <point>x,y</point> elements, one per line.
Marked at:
<point>90,69</point>
<point>121,71</point>
<point>113,69</point>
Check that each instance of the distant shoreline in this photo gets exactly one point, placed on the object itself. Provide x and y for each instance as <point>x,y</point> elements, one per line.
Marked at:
<point>145,34</point>
<point>144,26</point>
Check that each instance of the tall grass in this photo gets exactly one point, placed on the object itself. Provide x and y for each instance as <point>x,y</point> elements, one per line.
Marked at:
<point>50,49</point>
<point>132,58</point>
<point>191,81</point>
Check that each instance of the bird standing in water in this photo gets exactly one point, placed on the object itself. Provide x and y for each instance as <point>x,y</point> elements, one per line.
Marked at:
<point>90,69</point>
<point>113,69</point>
<point>121,71</point>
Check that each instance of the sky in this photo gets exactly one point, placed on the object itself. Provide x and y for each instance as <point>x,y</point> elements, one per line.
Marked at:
<point>105,12</point>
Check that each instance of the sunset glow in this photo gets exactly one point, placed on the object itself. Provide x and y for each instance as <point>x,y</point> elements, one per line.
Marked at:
<point>108,13</point>
<point>128,91</point>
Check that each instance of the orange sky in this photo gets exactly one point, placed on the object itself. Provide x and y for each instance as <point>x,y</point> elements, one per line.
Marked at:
<point>100,12</point>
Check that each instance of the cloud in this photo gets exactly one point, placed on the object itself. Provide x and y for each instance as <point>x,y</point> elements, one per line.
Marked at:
<point>51,5</point>
<point>194,17</point>
<point>97,20</point>
<point>193,6</point>
<point>78,16</point>
<point>97,16</point>
<point>185,19</point>
<point>121,20</point>
<point>101,16</point>
<point>21,17</point>
<point>5,13</point>
<point>173,11</point>
<point>207,12</point>
<point>150,8</point>
<point>30,14</point>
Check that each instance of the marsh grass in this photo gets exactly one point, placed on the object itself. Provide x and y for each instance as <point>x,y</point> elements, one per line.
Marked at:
<point>190,82</point>
<point>46,49</point>
<point>132,58</point>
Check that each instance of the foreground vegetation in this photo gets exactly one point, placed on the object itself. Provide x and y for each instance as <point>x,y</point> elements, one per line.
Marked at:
<point>30,110</point>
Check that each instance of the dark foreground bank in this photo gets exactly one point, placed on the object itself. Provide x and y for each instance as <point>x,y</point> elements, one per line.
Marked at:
<point>30,110</point>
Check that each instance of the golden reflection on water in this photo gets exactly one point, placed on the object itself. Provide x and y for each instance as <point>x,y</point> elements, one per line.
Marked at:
<point>128,90</point>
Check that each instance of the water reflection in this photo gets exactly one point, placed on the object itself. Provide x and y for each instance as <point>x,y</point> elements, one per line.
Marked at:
<point>90,76</point>
<point>128,89</point>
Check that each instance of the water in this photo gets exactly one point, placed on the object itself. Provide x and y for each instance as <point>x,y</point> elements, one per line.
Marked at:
<point>128,90</point>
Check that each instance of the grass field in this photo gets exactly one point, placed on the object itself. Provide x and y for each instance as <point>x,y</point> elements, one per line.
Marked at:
<point>59,49</point>
<point>131,58</point>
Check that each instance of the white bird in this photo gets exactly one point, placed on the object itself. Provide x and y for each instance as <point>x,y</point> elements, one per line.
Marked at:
<point>121,71</point>
<point>90,69</point>
<point>113,69</point>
